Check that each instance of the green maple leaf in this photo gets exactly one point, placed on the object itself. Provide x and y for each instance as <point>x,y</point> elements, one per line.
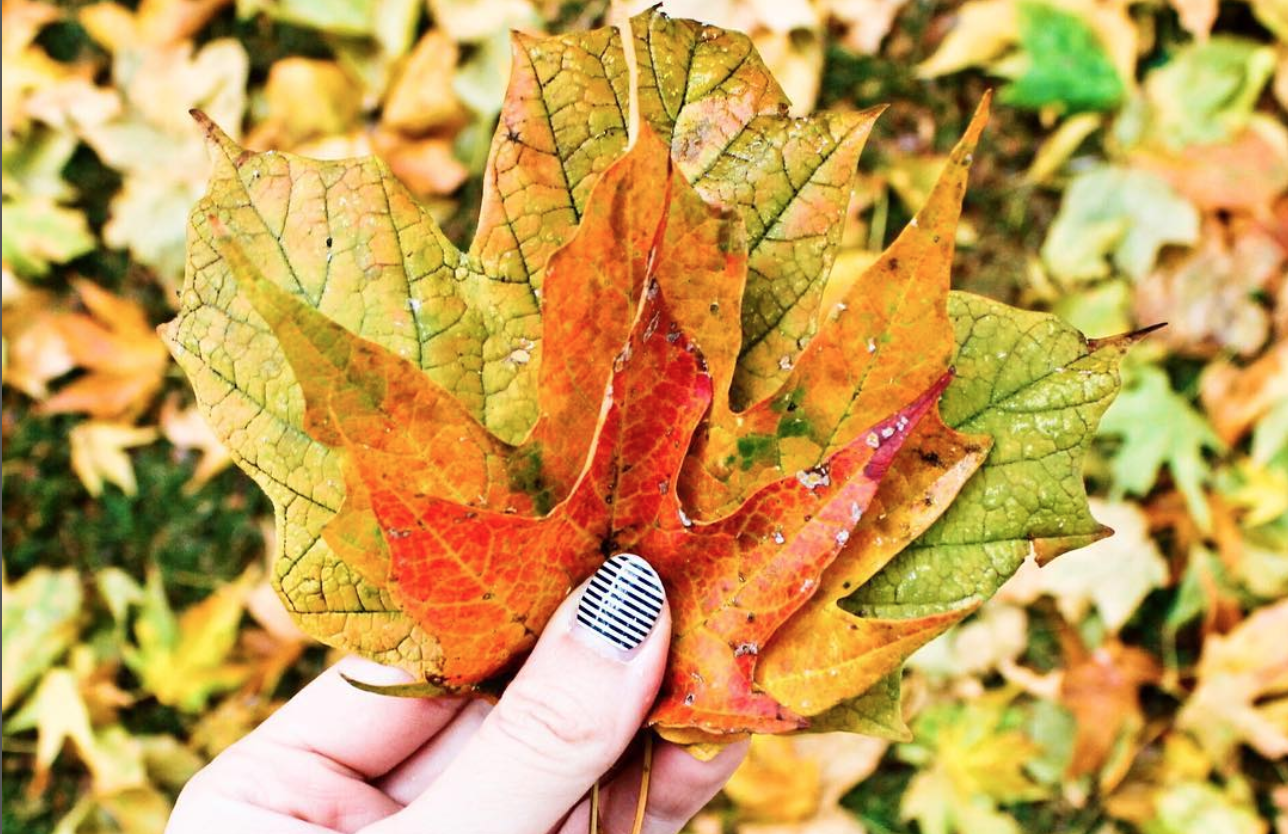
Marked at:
<point>1064,63</point>
<point>1160,428</point>
<point>1038,388</point>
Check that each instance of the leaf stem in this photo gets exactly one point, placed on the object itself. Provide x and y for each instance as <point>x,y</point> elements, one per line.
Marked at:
<point>647,769</point>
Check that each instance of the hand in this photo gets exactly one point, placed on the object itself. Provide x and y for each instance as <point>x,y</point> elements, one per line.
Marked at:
<point>336,759</point>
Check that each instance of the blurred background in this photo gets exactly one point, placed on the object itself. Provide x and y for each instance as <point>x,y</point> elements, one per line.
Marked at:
<point>1135,171</point>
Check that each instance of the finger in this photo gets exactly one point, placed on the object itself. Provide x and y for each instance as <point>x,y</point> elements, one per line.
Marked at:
<point>410,778</point>
<point>219,816</point>
<point>280,784</point>
<point>679,787</point>
<point>565,719</point>
<point>364,732</point>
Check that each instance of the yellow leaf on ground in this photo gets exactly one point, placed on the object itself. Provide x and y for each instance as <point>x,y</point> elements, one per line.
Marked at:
<point>152,143</point>
<point>35,353</point>
<point>152,23</point>
<point>421,98</point>
<point>57,712</point>
<point>795,785</point>
<point>305,99</point>
<point>98,454</point>
<point>184,660</point>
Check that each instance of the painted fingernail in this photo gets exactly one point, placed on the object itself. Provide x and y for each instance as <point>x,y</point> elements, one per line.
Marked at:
<point>622,601</point>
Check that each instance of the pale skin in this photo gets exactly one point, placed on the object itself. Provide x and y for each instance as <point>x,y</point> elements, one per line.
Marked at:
<point>336,759</point>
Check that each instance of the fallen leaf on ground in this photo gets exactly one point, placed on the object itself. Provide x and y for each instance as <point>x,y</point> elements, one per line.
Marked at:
<point>41,621</point>
<point>184,660</point>
<point>1206,92</point>
<point>98,453</point>
<point>1247,172</point>
<point>421,98</point>
<point>115,344</point>
<point>1119,213</point>
<point>152,23</point>
<point>1242,678</point>
<point>970,763</point>
<point>795,785</point>
<point>304,99</point>
<point>153,144</point>
<point>995,636</point>
<point>865,22</point>
<point>1101,687</point>
<point>188,431</point>
<point>58,714</point>
<point>1235,399</point>
<point>34,351</point>
<point>1159,428</point>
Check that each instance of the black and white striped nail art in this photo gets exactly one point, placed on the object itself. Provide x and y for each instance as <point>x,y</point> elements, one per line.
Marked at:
<point>622,601</point>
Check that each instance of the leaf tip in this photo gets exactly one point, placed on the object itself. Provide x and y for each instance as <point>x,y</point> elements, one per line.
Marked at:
<point>1124,340</point>
<point>216,138</point>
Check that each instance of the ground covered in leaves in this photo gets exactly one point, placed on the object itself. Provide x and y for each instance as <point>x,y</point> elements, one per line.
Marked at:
<point>1135,172</point>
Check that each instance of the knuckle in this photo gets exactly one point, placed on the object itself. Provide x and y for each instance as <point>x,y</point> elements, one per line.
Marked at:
<point>557,725</point>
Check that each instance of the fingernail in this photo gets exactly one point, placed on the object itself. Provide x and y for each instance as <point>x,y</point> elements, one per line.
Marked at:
<point>622,602</point>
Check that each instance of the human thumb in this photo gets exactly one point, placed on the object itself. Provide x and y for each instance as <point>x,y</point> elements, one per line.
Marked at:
<point>565,719</point>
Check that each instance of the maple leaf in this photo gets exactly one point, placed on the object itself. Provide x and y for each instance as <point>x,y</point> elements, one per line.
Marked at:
<point>974,760</point>
<point>454,439</point>
<point>1101,687</point>
<point>116,345</point>
<point>40,622</point>
<point>1038,388</point>
<point>1241,680</point>
<point>183,660</point>
<point>1149,442</point>
<point>472,320</point>
<point>733,581</point>
<point>98,454</point>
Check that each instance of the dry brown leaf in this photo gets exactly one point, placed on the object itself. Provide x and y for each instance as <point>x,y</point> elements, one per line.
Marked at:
<point>1247,172</point>
<point>1236,398</point>
<point>188,431</point>
<point>1208,296</point>
<point>1102,690</point>
<point>98,454</point>
<point>124,359</point>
